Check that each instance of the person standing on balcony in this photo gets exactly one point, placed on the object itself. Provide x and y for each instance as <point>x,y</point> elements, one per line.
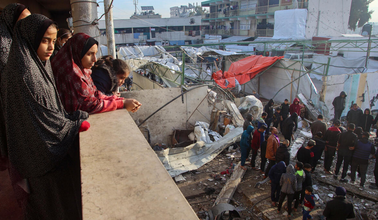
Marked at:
<point>108,74</point>
<point>72,70</point>
<point>8,18</point>
<point>40,133</point>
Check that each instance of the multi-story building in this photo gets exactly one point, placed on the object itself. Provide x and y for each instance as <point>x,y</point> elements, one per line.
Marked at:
<point>156,31</point>
<point>255,18</point>
<point>182,11</point>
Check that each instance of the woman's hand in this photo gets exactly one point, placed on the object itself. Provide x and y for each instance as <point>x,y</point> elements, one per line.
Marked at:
<point>132,105</point>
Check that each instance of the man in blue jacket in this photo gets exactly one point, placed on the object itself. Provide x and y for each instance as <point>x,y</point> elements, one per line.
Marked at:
<point>361,158</point>
<point>275,174</point>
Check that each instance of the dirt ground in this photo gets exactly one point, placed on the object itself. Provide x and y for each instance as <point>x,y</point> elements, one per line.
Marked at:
<point>202,186</point>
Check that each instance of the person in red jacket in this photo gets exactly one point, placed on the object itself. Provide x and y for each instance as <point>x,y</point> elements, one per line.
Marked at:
<point>72,71</point>
<point>295,107</point>
<point>256,143</point>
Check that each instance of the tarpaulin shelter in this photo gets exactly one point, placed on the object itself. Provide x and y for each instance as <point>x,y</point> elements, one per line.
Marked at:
<point>243,70</point>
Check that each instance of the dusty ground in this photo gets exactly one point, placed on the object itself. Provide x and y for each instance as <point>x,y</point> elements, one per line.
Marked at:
<point>198,184</point>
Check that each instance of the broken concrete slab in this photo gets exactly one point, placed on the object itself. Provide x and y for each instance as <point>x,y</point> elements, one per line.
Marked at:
<point>237,118</point>
<point>181,160</point>
<point>229,189</point>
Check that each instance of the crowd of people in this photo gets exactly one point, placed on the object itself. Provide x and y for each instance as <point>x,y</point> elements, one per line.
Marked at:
<point>293,179</point>
<point>50,81</point>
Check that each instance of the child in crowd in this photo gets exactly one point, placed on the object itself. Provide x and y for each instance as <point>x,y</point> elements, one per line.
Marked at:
<point>300,175</point>
<point>288,184</point>
<point>277,118</point>
<point>309,203</point>
<point>308,180</point>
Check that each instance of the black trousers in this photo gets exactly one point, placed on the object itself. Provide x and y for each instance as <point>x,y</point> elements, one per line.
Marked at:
<point>270,165</point>
<point>296,198</point>
<point>376,173</point>
<point>275,191</point>
<point>263,162</point>
<point>346,156</point>
<point>362,168</point>
<point>338,114</point>
<point>254,155</point>
<point>290,198</point>
<point>329,154</point>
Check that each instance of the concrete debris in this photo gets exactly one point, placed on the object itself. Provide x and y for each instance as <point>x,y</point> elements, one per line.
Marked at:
<point>179,178</point>
<point>250,104</point>
<point>181,160</point>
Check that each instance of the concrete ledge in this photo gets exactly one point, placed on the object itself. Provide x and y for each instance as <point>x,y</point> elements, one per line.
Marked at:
<point>122,177</point>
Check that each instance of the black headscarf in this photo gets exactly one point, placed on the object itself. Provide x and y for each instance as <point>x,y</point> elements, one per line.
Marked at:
<point>8,19</point>
<point>39,131</point>
<point>88,44</point>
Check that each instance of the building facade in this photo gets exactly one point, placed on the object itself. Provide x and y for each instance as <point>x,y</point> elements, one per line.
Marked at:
<point>255,18</point>
<point>161,31</point>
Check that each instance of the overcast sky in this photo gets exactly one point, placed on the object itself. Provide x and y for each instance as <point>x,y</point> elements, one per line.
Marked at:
<point>123,9</point>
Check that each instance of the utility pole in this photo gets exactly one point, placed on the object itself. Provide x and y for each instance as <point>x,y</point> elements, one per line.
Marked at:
<point>109,28</point>
<point>84,15</point>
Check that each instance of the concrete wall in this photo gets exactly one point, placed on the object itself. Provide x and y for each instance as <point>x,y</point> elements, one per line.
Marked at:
<point>333,19</point>
<point>122,177</point>
<point>174,115</point>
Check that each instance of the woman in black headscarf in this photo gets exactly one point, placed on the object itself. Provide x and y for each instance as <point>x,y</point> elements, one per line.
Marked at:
<point>8,18</point>
<point>289,126</point>
<point>40,134</point>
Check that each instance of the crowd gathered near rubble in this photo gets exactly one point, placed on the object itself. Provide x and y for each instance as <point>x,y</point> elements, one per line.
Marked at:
<point>293,180</point>
<point>51,81</point>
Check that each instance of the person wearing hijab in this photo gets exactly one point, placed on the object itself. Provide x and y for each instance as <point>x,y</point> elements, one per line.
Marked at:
<point>62,37</point>
<point>40,133</point>
<point>72,70</point>
<point>108,74</point>
<point>8,18</point>
<point>289,125</point>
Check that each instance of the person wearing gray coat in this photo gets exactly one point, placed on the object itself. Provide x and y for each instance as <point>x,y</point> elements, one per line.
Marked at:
<point>288,184</point>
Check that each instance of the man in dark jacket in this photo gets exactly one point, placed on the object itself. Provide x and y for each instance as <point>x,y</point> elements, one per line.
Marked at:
<point>339,208</point>
<point>277,118</point>
<point>331,137</point>
<point>275,176</point>
<point>366,120</point>
<point>248,121</point>
<point>375,185</point>
<point>285,109</point>
<point>269,110</point>
<point>354,115</point>
<point>339,105</point>
<point>282,153</point>
<point>318,125</point>
<point>360,159</point>
<point>317,149</point>
<point>305,154</point>
<point>245,145</point>
<point>346,144</point>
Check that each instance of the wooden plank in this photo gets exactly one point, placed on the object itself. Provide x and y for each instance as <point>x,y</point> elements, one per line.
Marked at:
<point>229,188</point>
<point>366,193</point>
